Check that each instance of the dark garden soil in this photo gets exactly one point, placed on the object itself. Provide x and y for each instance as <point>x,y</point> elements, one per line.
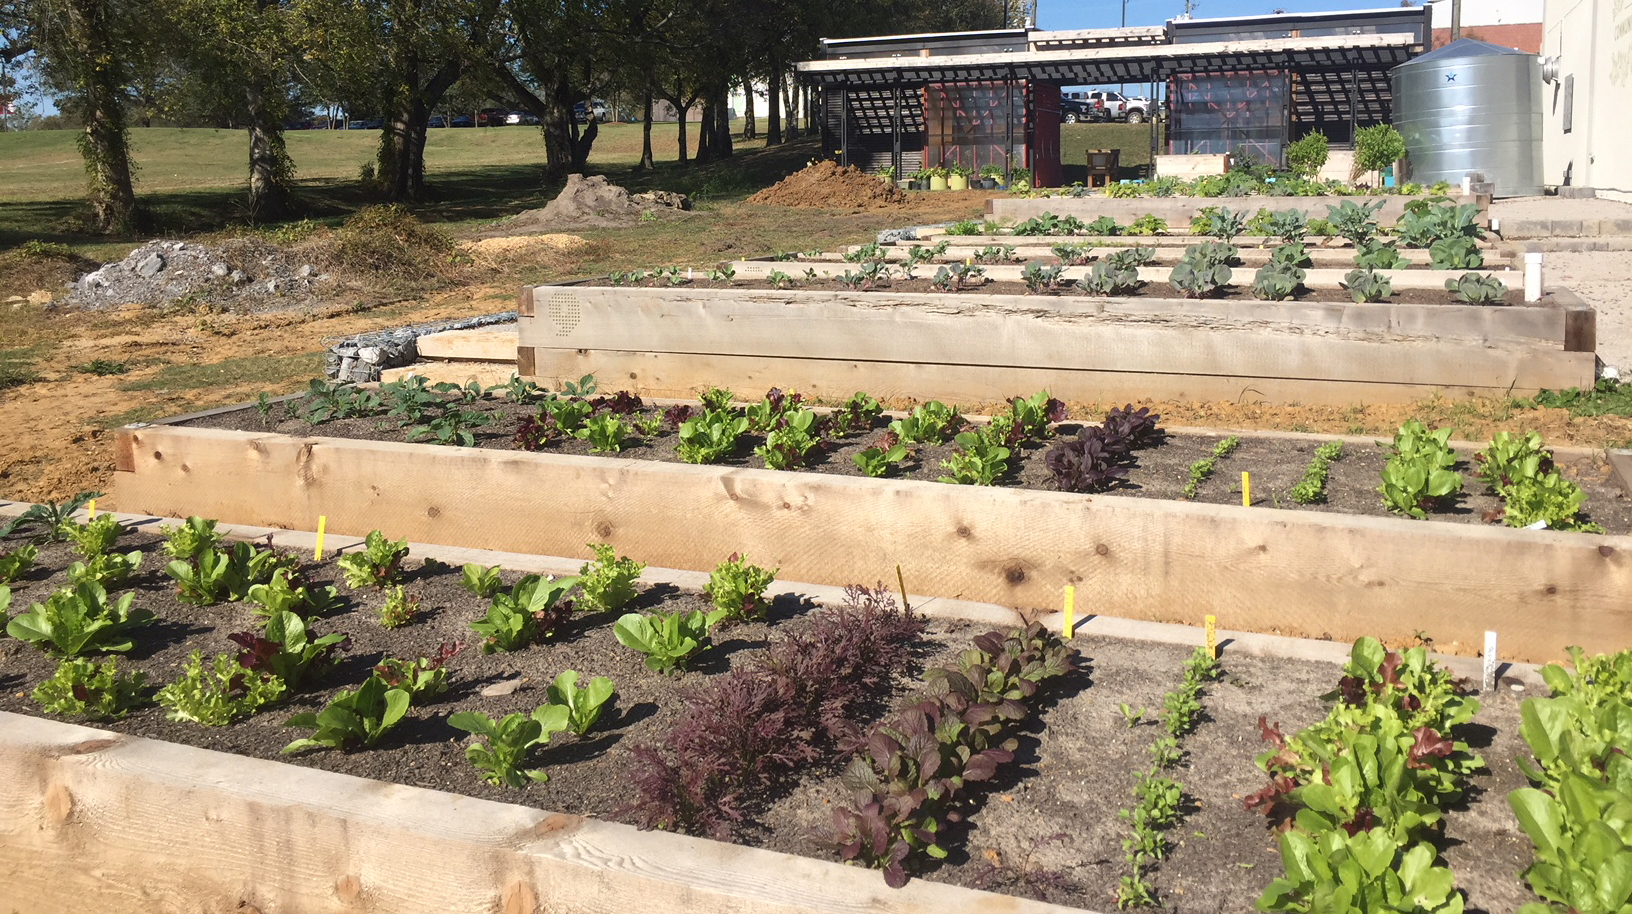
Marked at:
<point>1275,465</point>
<point>1047,827</point>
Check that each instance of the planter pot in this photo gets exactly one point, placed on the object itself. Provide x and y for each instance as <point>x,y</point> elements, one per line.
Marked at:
<point>915,185</point>
<point>937,183</point>
<point>958,182</point>
<point>988,183</point>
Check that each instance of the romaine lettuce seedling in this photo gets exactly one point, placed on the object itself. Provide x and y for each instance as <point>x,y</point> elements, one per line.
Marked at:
<point>583,705</point>
<point>79,620</point>
<point>378,564</point>
<point>352,719</point>
<point>668,641</point>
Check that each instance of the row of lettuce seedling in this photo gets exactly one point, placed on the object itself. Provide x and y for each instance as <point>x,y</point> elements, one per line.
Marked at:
<point>287,653</point>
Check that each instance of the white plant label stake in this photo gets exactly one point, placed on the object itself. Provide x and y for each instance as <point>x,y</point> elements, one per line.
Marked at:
<point>1490,661</point>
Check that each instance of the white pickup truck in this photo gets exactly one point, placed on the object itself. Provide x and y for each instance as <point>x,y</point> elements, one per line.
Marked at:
<point>1104,105</point>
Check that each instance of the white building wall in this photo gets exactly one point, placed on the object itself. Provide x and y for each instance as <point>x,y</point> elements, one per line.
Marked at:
<point>1489,12</point>
<point>1592,40</point>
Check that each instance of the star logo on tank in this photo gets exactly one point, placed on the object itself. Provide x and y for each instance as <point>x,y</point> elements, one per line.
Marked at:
<point>1450,77</point>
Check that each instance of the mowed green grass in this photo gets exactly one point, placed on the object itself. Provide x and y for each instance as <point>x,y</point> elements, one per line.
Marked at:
<point>192,180</point>
<point>45,164</point>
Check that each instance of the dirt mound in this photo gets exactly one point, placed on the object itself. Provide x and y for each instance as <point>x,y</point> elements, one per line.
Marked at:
<point>831,186</point>
<point>241,275</point>
<point>592,202</point>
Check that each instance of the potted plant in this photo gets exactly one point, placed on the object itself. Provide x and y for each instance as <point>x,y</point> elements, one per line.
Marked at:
<point>957,177</point>
<point>1019,179</point>
<point>918,180</point>
<point>937,178</point>
<point>990,175</point>
<point>887,174</point>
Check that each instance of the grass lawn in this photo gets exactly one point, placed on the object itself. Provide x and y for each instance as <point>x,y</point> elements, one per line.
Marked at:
<point>195,179</point>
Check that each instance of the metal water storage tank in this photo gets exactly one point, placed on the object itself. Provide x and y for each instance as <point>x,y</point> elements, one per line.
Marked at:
<point>1472,106</point>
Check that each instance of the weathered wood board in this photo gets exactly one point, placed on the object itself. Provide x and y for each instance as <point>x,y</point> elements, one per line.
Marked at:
<point>96,822</point>
<point>1494,350</point>
<point>1257,569</point>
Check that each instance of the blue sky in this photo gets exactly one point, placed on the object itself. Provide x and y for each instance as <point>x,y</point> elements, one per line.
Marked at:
<point>1099,14</point>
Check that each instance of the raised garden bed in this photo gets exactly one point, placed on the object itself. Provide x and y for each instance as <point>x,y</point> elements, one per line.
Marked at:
<point>1309,572</point>
<point>111,821</point>
<point>673,341</point>
<point>1180,209</point>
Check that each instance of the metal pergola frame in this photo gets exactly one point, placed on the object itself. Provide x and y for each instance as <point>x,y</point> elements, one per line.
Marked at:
<point>1098,65</point>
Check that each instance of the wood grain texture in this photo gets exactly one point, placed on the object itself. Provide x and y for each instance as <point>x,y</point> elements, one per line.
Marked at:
<point>100,823</point>
<point>682,375</point>
<point>1018,330</point>
<point>475,344</point>
<point>1261,569</point>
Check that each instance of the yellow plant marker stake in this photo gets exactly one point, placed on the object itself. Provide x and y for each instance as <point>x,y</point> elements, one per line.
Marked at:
<point>1246,490</point>
<point>1070,626</point>
<point>322,521</point>
<point>1212,637</point>
<point>90,509</point>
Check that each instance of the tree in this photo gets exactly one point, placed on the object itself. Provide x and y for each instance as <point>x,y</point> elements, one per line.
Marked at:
<point>246,51</point>
<point>88,49</point>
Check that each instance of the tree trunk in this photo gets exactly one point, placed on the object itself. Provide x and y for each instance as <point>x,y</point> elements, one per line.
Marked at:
<point>705,133</point>
<point>104,144</point>
<point>648,162</point>
<point>401,160</point>
<point>560,132</point>
<point>721,146</point>
<point>773,107</point>
<point>271,172</point>
<point>581,144</point>
<point>749,131</point>
<point>790,98</point>
<point>680,115</point>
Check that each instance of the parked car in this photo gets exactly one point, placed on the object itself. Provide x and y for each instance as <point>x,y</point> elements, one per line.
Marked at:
<point>492,117</point>
<point>437,120</point>
<point>372,123</point>
<point>462,120</point>
<point>583,109</point>
<point>522,118</point>
<point>1074,109</point>
<point>1114,106</point>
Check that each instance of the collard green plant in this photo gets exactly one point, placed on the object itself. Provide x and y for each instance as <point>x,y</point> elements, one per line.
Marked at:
<point>1203,270</point>
<point>1364,873</point>
<point>1041,279</point>
<point>1277,281</point>
<point>219,693</point>
<point>1459,253</point>
<point>1148,224</point>
<point>352,719</point>
<point>668,641</point>
<point>737,588</point>
<point>1477,289</point>
<point>1049,224</point>
<point>79,620</point>
<point>377,565</point>
<point>1104,225</point>
<point>93,689</point>
<point>583,704</point>
<point>1224,224</point>
<point>995,254</point>
<point>1109,277</point>
<point>1073,255</point>
<point>955,277</point>
<point>1354,222</point>
<point>1368,285</point>
<point>1373,254</point>
<point>1292,254</point>
<point>608,582</point>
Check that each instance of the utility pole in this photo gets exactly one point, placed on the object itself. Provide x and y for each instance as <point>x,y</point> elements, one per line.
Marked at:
<point>1456,19</point>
